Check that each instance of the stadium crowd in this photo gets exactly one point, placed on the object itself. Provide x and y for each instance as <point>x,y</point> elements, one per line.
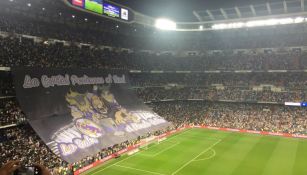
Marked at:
<point>26,52</point>
<point>211,94</point>
<point>22,143</point>
<point>10,112</point>
<point>237,88</point>
<point>289,81</point>
<point>259,117</point>
<point>6,84</point>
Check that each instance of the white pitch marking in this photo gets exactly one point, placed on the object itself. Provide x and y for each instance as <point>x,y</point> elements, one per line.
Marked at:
<point>200,137</point>
<point>166,149</point>
<point>196,157</point>
<point>139,169</point>
<point>171,146</point>
<point>207,158</point>
<point>137,153</point>
<point>156,144</point>
<point>115,163</point>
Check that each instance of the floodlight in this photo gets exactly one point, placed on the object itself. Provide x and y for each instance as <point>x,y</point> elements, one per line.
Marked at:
<point>299,20</point>
<point>165,24</point>
<point>287,21</point>
<point>257,23</point>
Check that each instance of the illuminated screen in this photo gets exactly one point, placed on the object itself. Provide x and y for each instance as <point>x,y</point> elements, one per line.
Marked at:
<point>124,14</point>
<point>94,5</point>
<point>79,3</point>
<point>111,10</point>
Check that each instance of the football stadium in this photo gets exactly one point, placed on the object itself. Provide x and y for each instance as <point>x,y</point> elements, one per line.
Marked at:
<point>163,87</point>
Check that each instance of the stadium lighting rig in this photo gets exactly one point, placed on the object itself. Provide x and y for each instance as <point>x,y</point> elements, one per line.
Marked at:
<point>165,24</point>
<point>259,23</point>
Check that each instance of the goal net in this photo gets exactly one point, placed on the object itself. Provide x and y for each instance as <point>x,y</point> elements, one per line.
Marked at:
<point>151,141</point>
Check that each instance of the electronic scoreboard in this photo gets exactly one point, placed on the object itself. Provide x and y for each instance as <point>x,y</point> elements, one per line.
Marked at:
<point>103,8</point>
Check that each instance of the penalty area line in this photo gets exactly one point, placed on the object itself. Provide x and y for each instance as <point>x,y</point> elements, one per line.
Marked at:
<point>200,137</point>
<point>114,164</point>
<point>151,172</point>
<point>138,153</point>
<point>161,151</point>
<point>186,164</point>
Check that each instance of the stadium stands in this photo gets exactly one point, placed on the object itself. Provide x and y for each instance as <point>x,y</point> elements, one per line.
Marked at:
<point>26,52</point>
<point>217,89</point>
<point>11,112</point>
<point>258,117</point>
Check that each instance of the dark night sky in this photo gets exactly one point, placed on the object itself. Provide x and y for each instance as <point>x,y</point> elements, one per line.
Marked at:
<point>181,10</point>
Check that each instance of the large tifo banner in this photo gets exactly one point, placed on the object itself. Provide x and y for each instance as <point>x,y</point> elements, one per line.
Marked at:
<point>77,112</point>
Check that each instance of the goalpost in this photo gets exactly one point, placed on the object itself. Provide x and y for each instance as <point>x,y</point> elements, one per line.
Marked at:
<point>151,140</point>
<point>148,141</point>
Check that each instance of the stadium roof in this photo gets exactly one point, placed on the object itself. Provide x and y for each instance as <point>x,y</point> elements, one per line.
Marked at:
<point>208,10</point>
<point>265,14</point>
<point>261,10</point>
<point>226,14</point>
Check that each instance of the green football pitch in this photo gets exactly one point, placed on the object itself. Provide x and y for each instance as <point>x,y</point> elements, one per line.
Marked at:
<point>210,152</point>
